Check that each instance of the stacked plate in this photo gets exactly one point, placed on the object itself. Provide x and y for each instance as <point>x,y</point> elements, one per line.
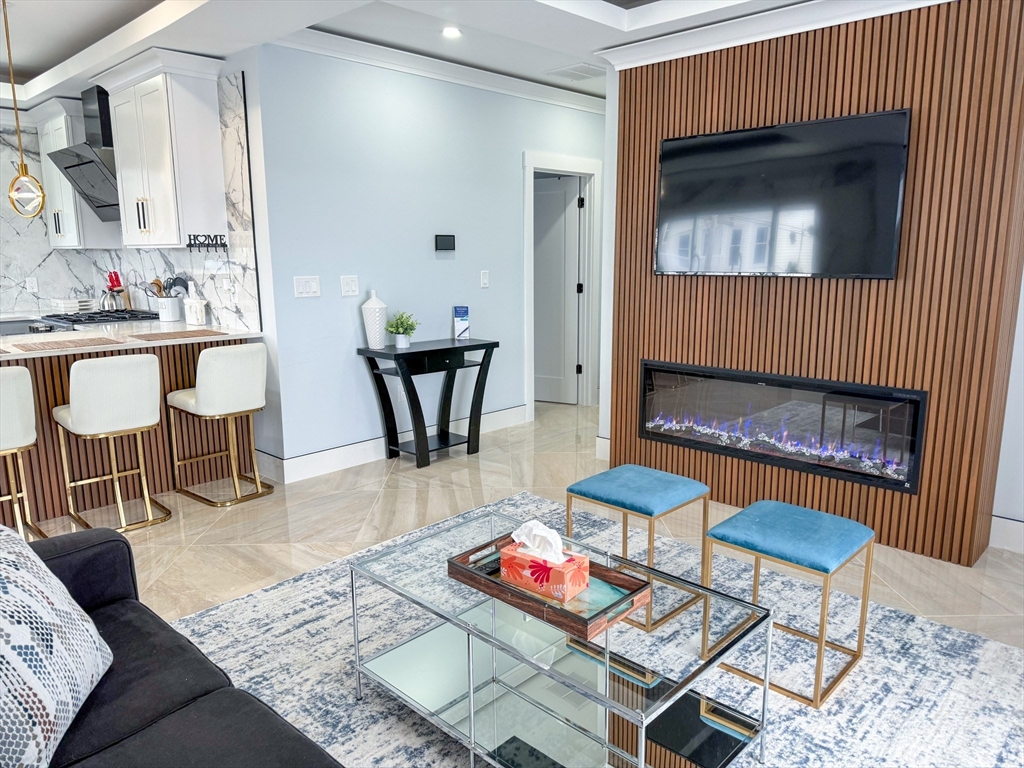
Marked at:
<point>67,306</point>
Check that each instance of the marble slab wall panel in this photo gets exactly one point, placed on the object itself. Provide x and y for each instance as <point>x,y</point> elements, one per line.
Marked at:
<point>226,280</point>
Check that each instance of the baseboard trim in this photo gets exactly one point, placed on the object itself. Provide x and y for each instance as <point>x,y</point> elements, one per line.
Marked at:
<point>345,456</point>
<point>1007,534</point>
<point>604,449</point>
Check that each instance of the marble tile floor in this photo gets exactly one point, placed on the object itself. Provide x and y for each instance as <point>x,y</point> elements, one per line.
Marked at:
<point>204,556</point>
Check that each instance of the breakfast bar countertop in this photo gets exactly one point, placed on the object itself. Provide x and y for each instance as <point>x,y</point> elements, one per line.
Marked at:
<point>114,336</point>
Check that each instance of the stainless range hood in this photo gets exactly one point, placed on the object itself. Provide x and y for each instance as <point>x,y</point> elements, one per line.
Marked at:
<point>90,166</point>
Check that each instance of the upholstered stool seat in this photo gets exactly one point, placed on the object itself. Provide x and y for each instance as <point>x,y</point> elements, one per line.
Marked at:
<point>17,435</point>
<point>646,493</point>
<point>112,397</point>
<point>230,384</point>
<point>812,541</point>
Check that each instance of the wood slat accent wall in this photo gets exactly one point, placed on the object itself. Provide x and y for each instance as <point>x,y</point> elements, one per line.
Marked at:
<point>50,377</point>
<point>944,325</point>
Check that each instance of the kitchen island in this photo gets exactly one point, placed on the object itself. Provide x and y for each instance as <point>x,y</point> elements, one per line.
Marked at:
<point>49,357</point>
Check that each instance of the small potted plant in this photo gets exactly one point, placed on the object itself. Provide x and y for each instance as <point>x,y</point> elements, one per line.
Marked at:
<point>402,325</point>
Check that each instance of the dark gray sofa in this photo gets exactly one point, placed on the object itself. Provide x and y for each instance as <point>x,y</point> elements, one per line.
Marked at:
<point>162,703</point>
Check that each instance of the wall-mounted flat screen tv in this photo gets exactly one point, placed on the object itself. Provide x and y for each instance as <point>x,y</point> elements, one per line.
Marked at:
<point>821,199</point>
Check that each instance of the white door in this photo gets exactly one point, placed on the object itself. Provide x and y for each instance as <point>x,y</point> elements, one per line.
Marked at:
<point>131,183</point>
<point>159,206</point>
<point>556,303</point>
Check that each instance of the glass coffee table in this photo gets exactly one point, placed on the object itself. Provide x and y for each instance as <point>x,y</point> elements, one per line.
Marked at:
<point>520,693</point>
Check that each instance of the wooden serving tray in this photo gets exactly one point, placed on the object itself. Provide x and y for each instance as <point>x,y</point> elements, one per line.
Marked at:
<point>610,597</point>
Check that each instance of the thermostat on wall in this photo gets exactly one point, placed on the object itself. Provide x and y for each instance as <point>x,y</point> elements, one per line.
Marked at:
<point>444,242</point>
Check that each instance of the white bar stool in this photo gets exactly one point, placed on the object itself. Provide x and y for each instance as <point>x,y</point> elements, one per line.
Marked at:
<point>111,397</point>
<point>17,435</point>
<point>231,383</point>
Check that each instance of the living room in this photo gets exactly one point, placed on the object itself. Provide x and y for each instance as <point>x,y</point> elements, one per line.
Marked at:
<point>747,345</point>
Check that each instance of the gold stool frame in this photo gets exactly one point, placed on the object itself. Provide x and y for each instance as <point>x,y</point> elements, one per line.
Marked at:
<point>22,512</point>
<point>820,695</point>
<point>649,624</point>
<point>115,475</point>
<point>263,488</point>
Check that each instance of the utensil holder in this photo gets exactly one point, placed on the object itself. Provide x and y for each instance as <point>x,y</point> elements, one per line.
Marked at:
<point>169,308</point>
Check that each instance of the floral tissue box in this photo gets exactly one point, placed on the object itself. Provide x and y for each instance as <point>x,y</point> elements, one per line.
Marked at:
<point>561,581</point>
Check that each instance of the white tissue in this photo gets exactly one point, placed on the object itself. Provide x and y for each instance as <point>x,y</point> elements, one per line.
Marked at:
<point>539,541</point>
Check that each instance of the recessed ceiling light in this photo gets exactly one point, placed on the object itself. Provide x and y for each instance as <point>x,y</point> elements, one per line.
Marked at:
<point>451,32</point>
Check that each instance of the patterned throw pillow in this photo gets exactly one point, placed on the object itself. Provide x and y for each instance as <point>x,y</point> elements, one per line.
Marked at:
<point>51,656</point>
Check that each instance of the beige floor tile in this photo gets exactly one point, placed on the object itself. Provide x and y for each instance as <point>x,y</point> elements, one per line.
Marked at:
<point>335,519</point>
<point>398,511</point>
<point>487,469</point>
<point>552,470</point>
<point>937,588</point>
<point>151,562</point>
<point>204,576</point>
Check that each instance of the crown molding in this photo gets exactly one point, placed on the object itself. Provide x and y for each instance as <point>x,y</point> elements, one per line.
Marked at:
<point>157,61</point>
<point>335,46</point>
<point>789,20</point>
<point>58,107</point>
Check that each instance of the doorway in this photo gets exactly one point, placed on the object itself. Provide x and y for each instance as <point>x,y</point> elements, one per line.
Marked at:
<point>557,284</point>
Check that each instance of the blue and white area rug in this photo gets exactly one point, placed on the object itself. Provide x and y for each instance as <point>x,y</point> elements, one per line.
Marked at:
<point>923,695</point>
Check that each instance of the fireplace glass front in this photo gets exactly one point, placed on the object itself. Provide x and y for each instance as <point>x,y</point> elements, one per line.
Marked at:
<point>861,433</point>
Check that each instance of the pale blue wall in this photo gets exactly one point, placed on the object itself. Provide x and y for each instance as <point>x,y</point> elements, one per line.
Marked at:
<point>364,166</point>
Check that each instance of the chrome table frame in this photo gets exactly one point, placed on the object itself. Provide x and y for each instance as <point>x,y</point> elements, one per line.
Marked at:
<point>637,717</point>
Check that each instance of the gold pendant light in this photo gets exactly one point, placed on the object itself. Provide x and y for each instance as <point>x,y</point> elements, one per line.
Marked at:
<point>25,193</point>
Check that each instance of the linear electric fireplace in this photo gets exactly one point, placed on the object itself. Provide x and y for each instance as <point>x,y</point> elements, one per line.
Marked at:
<point>865,434</point>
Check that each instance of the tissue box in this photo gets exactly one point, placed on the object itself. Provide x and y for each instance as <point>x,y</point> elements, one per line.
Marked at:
<point>561,581</point>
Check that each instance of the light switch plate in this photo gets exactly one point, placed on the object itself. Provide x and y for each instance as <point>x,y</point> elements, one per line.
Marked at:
<point>485,279</point>
<point>349,285</point>
<point>307,287</point>
<point>31,285</point>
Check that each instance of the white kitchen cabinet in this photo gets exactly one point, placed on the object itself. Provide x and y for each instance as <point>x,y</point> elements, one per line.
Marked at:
<point>167,145</point>
<point>70,222</point>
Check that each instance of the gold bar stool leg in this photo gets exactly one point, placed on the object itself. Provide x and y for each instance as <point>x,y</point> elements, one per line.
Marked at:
<point>707,550</point>
<point>757,579</point>
<point>117,482</point>
<point>12,486</point>
<point>142,476</point>
<point>26,510</point>
<point>819,668</point>
<point>174,450</point>
<point>625,535</point>
<point>868,558</point>
<point>568,516</point>
<point>252,450</point>
<point>233,455</point>
<point>66,464</point>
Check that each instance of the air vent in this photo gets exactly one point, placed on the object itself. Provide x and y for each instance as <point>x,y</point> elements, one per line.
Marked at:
<point>577,72</point>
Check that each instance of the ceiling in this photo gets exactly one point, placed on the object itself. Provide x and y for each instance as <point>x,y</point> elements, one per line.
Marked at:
<point>46,32</point>
<point>60,44</point>
<point>530,38</point>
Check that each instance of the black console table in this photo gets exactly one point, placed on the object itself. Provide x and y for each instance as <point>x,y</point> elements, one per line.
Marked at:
<point>445,356</point>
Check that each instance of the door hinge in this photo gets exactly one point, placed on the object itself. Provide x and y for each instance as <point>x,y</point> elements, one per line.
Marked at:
<point>579,368</point>
<point>579,202</point>
<point>579,287</point>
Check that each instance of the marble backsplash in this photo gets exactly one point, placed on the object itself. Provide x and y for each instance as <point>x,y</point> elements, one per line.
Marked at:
<point>226,280</point>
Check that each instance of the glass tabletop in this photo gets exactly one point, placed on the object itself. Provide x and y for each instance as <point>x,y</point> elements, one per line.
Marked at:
<point>651,668</point>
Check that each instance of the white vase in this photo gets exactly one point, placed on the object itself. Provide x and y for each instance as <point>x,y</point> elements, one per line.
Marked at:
<point>375,317</point>
<point>401,341</point>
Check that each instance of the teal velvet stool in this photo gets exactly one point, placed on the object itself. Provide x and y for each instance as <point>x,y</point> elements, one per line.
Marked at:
<point>645,493</point>
<point>810,541</point>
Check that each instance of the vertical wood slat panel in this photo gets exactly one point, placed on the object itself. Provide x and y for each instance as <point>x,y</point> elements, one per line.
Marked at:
<point>44,473</point>
<point>945,324</point>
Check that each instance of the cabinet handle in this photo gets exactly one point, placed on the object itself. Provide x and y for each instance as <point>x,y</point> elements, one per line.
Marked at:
<point>138,212</point>
<point>56,225</point>
<point>145,216</point>
<point>60,225</point>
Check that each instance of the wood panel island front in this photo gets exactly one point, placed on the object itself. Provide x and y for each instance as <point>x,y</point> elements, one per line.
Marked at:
<point>49,358</point>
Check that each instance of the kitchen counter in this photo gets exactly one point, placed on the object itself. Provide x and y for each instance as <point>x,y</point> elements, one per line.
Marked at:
<point>122,333</point>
